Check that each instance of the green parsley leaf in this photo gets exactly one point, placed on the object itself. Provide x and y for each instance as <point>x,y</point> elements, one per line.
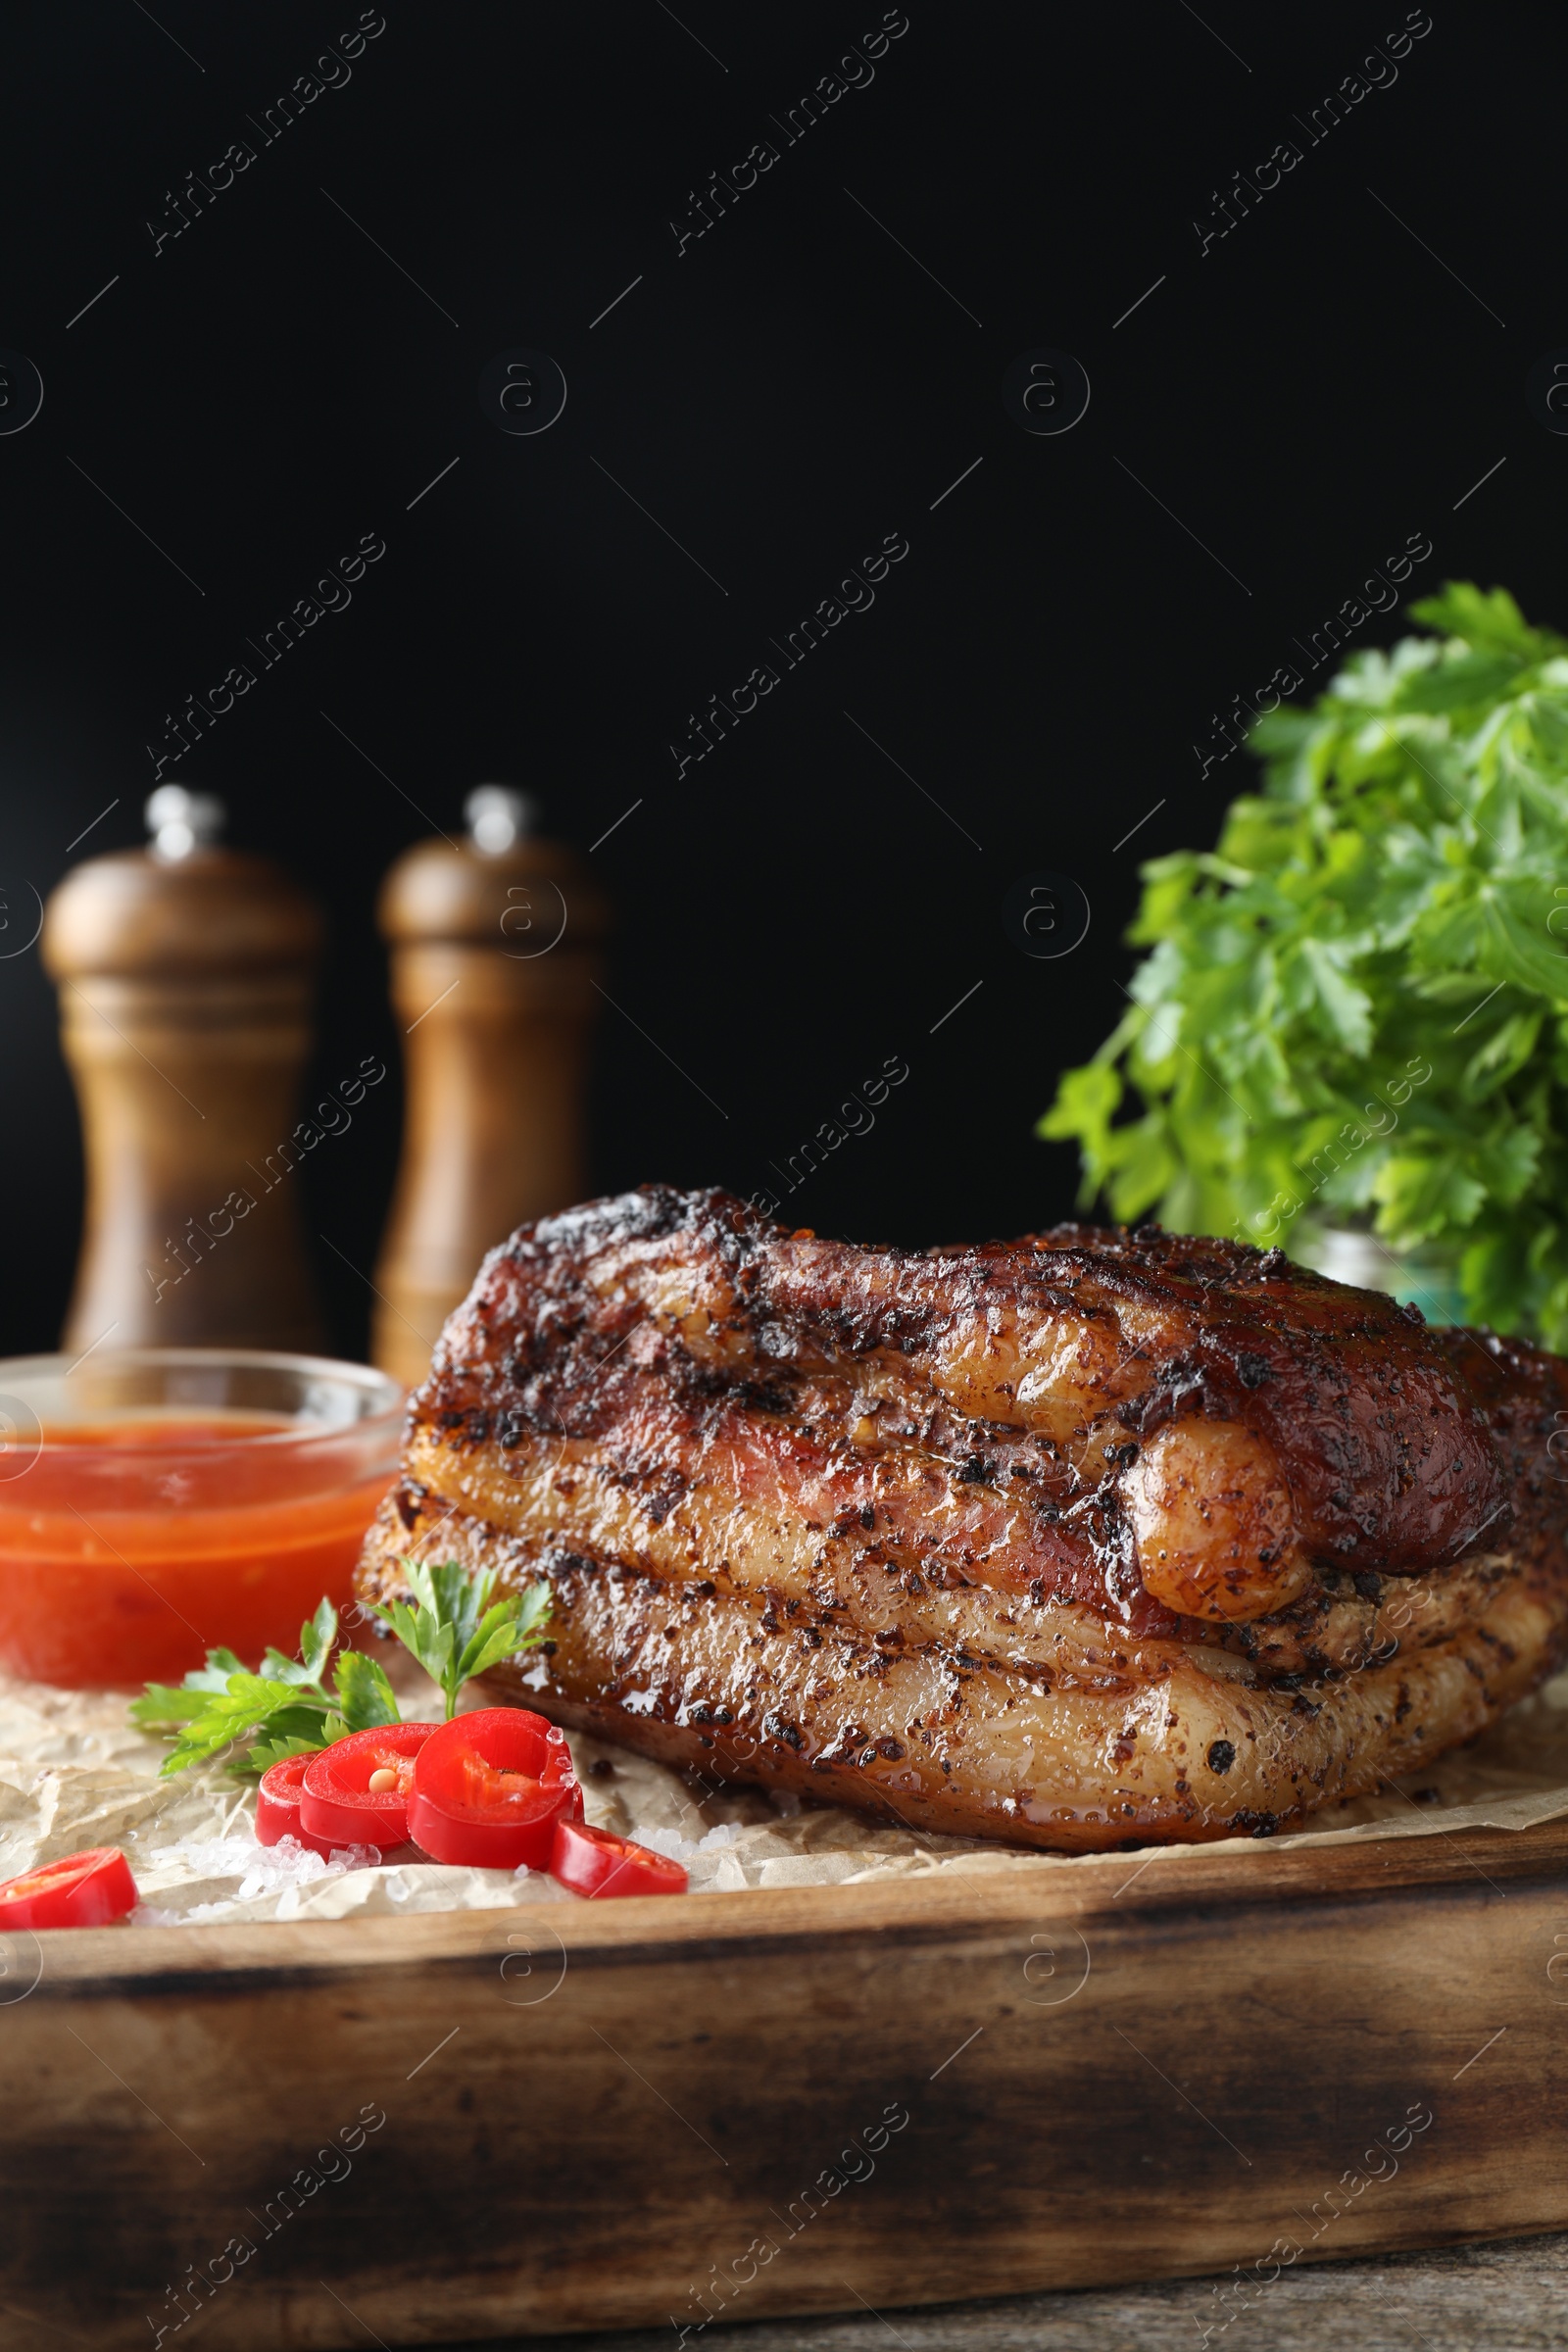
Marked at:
<point>214,1676</point>
<point>282,1712</point>
<point>316,1639</point>
<point>421,1632</point>
<point>454,1632</point>
<point>160,1707</point>
<point>249,1701</point>
<point>496,1636</point>
<point>273,1748</point>
<point>291,1730</point>
<point>364,1695</point>
<point>316,1636</point>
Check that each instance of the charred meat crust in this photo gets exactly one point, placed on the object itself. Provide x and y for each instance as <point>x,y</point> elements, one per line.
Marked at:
<point>1373,1419</point>
<point>1389,1460</point>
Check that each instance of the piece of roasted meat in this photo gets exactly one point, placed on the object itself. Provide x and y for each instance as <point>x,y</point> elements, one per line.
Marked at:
<point>1084,1539</point>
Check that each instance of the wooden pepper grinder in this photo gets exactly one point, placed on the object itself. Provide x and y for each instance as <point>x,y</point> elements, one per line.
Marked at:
<point>185,974</point>
<point>495,951</point>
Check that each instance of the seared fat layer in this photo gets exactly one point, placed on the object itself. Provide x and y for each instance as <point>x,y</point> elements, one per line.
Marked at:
<point>1187,1746</point>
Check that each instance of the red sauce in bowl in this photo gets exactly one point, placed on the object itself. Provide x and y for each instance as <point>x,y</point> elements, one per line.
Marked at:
<point>134,1541</point>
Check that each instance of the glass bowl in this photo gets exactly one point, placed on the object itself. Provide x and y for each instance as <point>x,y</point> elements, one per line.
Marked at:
<point>157,1502</point>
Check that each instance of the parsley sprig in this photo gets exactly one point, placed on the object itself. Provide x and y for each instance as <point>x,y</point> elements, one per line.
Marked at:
<point>286,1709</point>
<point>454,1629</point>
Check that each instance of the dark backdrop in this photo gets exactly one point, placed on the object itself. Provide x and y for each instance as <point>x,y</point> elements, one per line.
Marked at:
<point>1289,404</point>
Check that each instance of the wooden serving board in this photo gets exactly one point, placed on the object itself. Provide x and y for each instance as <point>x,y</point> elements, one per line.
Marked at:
<point>595,2114</point>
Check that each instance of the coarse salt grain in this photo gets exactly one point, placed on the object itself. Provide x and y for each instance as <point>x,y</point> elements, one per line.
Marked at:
<point>263,1869</point>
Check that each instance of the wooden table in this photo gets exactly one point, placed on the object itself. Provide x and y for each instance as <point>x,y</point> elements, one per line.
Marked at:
<point>1508,2296</point>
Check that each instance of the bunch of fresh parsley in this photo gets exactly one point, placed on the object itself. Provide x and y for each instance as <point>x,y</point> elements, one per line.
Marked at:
<point>1357,1008</point>
<point>454,1629</point>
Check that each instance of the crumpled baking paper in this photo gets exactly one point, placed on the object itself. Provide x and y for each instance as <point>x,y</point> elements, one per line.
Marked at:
<point>75,1773</point>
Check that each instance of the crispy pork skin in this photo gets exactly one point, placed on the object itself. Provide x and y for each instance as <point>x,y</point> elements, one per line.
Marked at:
<point>1083,1539</point>
<point>1211,1519</point>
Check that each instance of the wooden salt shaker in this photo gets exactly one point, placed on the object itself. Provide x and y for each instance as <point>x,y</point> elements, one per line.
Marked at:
<point>185,973</point>
<point>495,951</point>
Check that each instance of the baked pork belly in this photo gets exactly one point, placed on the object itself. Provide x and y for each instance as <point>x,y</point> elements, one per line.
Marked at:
<point>1085,1540</point>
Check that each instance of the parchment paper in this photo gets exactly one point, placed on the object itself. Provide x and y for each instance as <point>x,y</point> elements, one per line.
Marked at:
<point>73,1774</point>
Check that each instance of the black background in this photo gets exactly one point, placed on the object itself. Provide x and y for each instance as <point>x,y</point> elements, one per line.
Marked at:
<point>1303,396</point>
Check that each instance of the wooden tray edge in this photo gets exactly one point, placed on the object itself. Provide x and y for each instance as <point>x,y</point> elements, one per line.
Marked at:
<point>93,1959</point>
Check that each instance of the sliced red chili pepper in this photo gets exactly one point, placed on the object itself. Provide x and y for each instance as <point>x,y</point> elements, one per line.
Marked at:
<point>596,1863</point>
<point>82,1891</point>
<point>356,1792</point>
<point>277,1806</point>
<point>489,1789</point>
